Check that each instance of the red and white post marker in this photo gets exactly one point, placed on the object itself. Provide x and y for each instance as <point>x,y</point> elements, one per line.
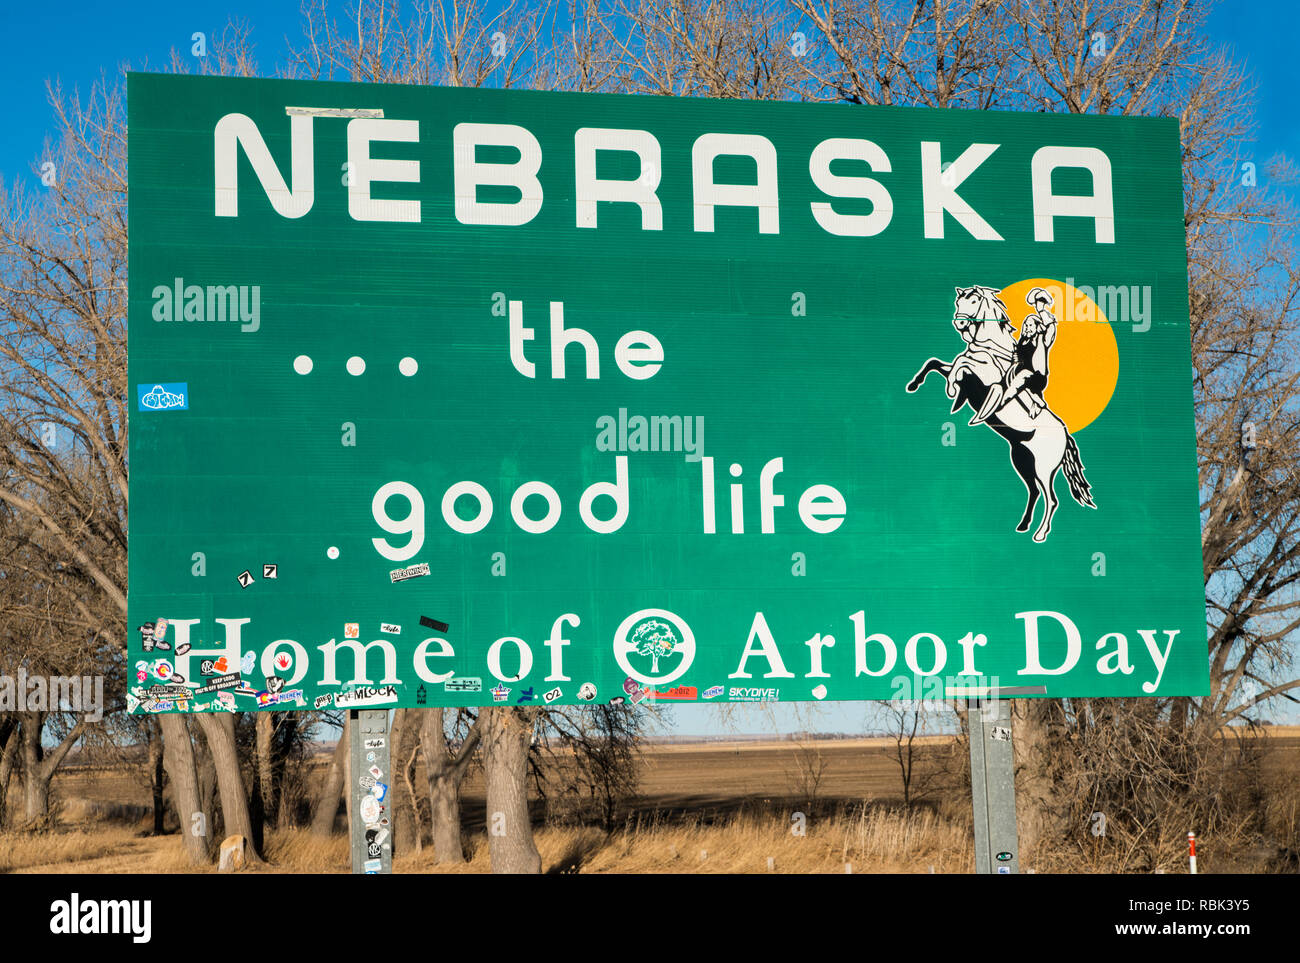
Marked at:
<point>1191,847</point>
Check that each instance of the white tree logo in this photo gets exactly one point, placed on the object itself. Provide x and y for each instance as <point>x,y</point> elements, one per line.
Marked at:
<point>655,639</point>
<point>657,635</point>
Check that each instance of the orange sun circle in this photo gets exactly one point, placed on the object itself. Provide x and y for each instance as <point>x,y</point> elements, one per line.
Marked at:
<point>1083,365</point>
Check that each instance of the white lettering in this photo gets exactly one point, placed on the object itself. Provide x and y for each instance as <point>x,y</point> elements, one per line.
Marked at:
<point>1099,205</point>
<point>836,185</point>
<point>470,174</point>
<point>365,169</point>
<point>588,189</point>
<point>762,194</point>
<point>939,190</point>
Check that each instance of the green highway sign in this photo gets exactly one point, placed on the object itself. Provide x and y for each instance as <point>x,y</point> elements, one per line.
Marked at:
<point>469,397</point>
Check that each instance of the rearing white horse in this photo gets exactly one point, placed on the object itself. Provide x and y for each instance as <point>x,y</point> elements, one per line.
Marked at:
<point>1040,444</point>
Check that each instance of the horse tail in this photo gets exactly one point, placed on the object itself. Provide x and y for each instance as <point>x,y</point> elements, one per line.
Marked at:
<point>1080,490</point>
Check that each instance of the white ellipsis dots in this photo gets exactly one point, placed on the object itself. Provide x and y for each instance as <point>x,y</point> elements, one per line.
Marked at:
<point>408,366</point>
<point>332,551</point>
<point>412,523</point>
<point>302,364</point>
<point>356,365</point>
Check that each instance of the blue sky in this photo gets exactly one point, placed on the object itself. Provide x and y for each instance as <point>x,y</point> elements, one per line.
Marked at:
<point>76,41</point>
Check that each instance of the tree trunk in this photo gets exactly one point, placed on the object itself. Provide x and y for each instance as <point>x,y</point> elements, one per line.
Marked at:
<point>39,766</point>
<point>156,777</point>
<point>285,805</point>
<point>1034,793</point>
<point>445,773</point>
<point>408,781</point>
<point>256,814</point>
<point>265,728</point>
<point>178,758</point>
<point>327,800</point>
<point>36,797</point>
<point>9,739</point>
<point>260,800</point>
<point>219,730</point>
<point>506,734</point>
<point>36,789</point>
<point>207,776</point>
<point>444,796</point>
<point>347,773</point>
<point>444,789</point>
<point>401,739</point>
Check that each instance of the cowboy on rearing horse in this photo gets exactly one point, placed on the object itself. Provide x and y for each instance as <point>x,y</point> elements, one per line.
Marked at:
<point>1028,374</point>
<point>996,369</point>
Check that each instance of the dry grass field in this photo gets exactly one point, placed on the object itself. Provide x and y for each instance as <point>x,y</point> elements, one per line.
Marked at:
<point>703,808</point>
<point>874,842</point>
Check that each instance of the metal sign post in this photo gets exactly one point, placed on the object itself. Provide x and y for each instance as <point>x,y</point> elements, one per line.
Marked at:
<point>993,788</point>
<point>370,827</point>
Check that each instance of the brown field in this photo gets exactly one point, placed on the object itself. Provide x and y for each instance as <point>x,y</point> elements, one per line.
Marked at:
<point>704,807</point>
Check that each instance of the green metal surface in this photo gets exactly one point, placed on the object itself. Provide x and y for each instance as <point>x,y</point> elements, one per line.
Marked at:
<point>903,575</point>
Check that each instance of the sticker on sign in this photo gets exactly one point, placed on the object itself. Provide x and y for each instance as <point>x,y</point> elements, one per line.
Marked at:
<point>366,696</point>
<point>415,571</point>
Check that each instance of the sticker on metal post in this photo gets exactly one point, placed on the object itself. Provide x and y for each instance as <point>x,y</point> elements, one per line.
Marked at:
<point>369,810</point>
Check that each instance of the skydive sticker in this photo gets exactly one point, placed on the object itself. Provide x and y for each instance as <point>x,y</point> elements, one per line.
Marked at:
<point>167,397</point>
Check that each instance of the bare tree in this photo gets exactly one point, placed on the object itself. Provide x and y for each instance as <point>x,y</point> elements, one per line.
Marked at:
<point>1155,58</point>
<point>464,44</point>
<point>326,807</point>
<point>194,812</point>
<point>809,770</point>
<point>445,767</point>
<point>591,758</point>
<point>1149,58</point>
<point>219,732</point>
<point>738,48</point>
<point>10,739</point>
<point>35,639</point>
<point>63,391</point>
<point>903,723</point>
<point>403,742</point>
<point>507,733</point>
<point>156,774</point>
<point>935,54</point>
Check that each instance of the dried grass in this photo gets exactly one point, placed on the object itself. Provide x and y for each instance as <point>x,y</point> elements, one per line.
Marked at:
<point>867,840</point>
<point>19,851</point>
<point>694,836</point>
